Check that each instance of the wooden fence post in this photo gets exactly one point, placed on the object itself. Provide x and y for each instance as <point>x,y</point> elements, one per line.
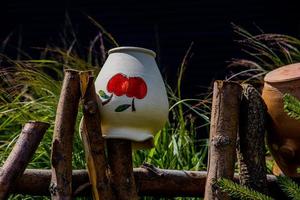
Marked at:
<point>94,143</point>
<point>120,162</point>
<point>223,133</point>
<point>22,152</point>
<point>62,144</point>
<point>250,143</point>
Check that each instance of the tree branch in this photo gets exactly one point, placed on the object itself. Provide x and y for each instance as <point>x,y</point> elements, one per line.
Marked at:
<point>223,133</point>
<point>150,181</point>
<point>21,154</point>
<point>62,144</point>
<point>94,143</point>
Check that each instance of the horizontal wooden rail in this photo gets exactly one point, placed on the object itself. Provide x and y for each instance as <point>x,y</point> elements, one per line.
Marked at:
<point>150,181</point>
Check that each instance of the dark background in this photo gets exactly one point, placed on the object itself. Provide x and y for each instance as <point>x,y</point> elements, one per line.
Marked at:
<point>167,27</point>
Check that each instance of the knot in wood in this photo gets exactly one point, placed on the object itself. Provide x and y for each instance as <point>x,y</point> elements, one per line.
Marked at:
<point>91,107</point>
<point>53,189</point>
<point>152,169</point>
<point>220,141</point>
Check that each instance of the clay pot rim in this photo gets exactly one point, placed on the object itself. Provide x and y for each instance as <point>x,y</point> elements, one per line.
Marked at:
<point>129,48</point>
<point>275,77</point>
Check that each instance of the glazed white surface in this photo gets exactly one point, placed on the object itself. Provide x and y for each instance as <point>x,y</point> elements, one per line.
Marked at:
<point>151,111</point>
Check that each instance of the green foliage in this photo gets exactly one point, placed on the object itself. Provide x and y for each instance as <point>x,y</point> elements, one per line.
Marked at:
<point>241,192</point>
<point>290,188</point>
<point>30,89</point>
<point>29,93</point>
<point>264,52</point>
<point>177,145</point>
<point>292,106</point>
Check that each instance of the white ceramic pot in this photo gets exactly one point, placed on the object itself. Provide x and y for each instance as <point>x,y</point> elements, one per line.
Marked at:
<point>134,99</point>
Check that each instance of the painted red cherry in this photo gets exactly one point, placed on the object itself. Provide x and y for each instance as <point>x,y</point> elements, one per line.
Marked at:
<point>136,88</point>
<point>118,84</point>
<point>133,87</point>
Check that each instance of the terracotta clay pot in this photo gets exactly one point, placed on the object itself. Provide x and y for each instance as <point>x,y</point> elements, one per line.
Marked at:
<point>283,136</point>
<point>134,98</point>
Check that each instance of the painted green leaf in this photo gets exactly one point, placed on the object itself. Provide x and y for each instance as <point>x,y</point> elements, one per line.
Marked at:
<point>103,95</point>
<point>122,107</point>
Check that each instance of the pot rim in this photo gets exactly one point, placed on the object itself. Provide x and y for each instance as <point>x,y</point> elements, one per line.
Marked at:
<point>129,48</point>
<point>284,73</point>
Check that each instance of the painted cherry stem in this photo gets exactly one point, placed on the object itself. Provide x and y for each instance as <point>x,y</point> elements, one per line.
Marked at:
<point>133,109</point>
<point>132,105</point>
<point>108,100</point>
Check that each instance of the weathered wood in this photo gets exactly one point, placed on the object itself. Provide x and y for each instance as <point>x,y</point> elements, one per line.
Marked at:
<point>149,181</point>
<point>36,182</point>
<point>152,181</point>
<point>223,133</point>
<point>21,154</point>
<point>61,154</point>
<point>251,137</point>
<point>94,143</point>
<point>120,162</point>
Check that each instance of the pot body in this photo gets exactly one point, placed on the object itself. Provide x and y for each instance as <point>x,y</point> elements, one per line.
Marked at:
<point>283,136</point>
<point>133,94</point>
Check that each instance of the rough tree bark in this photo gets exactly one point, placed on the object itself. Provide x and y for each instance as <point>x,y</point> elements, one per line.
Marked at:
<point>149,181</point>
<point>250,143</point>
<point>223,133</point>
<point>94,143</point>
<point>61,155</point>
<point>21,154</point>
<point>120,162</point>
<point>152,181</point>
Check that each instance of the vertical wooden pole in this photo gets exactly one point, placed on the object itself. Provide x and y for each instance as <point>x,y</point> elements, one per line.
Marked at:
<point>251,143</point>
<point>120,161</point>
<point>94,143</point>
<point>62,144</point>
<point>22,152</point>
<point>223,133</point>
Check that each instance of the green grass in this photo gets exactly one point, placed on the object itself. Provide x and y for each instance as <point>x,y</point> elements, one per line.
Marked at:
<point>30,89</point>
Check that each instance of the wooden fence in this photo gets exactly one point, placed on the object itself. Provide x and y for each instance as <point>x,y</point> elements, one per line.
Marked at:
<point>238,123</point>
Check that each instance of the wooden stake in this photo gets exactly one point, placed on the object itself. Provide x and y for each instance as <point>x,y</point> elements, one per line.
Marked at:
<point>120,162</point>
<point>21,154</point>
<point>149,181</point>
<point>94,144</point>
<point>223,133</point>
<point>61,155</point>
<point>251,145</point>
